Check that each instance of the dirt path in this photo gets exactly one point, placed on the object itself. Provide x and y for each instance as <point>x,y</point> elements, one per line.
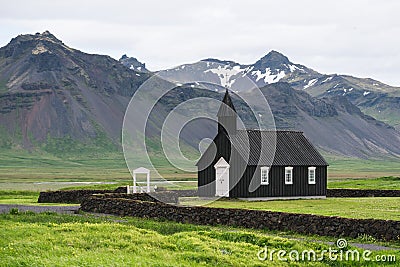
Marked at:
<point>5,208</point>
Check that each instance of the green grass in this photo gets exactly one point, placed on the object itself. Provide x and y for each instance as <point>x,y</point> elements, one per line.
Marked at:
<point>63,240</point>
<point>23,198</point>
<point>18,197</point>
<point>23,166</point>
<point>39,170</point>
<point>388,115</point>
<point>385,183</point>
<point>23,170</point>
<point>360,208</point>
<point>341,167</point>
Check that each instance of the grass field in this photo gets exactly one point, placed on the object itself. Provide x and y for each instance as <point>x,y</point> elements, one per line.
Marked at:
<point>340,167</point>
<point>24,198</point>
<point>22,170</point>
<point>385,208</point>
<point>64,240</point>
<point>18,197</point>
<point>389,182</point>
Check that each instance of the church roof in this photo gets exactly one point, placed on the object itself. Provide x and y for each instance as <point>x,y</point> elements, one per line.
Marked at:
<point>292,148</point>
<point>226,109</point>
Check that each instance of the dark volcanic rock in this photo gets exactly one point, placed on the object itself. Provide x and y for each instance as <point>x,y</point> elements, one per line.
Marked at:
<point>46,61</point>
<point>258,219</point>
<point>133,64</point>
<point>273,59</point>
<point>73,94</point>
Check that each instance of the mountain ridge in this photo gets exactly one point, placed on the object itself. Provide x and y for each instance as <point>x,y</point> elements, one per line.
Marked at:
<point>49,91</point>
<point>375,98</point>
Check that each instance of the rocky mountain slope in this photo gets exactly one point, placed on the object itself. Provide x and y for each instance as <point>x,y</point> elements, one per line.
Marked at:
<point>49,90</point>
<point>372,97</point>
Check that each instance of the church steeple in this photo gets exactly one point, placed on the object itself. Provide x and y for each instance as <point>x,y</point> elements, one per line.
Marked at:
<point>227,116</point>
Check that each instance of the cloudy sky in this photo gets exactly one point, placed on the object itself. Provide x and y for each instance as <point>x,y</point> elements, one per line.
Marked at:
<point>356,37</point>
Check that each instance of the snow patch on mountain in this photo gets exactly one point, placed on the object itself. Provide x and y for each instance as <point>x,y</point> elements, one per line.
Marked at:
<point>310,83</point>
<point>225,73</point>
<point>268,76</point>
<point>293,68</point>
<point>327,79</point>
<point>135,68</point>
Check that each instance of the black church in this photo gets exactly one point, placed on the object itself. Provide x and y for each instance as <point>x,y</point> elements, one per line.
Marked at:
<point>255,164</point>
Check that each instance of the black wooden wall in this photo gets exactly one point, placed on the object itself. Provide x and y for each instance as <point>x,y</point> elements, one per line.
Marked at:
<point>277,186</point>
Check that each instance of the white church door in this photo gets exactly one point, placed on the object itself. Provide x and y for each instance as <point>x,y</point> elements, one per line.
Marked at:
<point>221,178</point>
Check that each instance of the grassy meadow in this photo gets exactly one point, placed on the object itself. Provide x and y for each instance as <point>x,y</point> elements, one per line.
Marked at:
<point>49,239</point>
<point>39,170</point>
<point>385,208</point>
<point>384,183</point>
<point>18,197</point>
<point>343,168</point>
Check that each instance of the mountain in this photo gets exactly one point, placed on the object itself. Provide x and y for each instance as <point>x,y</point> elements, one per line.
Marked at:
<point>272,68</point>
<point>377,99</point>
<point>372,97</point>
<point>49,90</point>
<point>58,98</point>
<point>133,63</point>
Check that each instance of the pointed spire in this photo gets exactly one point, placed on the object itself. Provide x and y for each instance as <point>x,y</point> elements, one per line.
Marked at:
<point>226,109</point>
<point>227,116</point>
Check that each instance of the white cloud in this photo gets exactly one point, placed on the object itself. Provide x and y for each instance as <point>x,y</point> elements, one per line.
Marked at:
<point>355,37</point>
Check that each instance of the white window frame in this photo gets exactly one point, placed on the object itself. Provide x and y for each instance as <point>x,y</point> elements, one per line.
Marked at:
<point>262,172</point>
<point>289,170</point>
<point>312,170</point>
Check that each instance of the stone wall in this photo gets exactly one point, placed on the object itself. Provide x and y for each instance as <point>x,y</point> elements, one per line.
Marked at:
<point>362,193</point>
<point>301,223</point>
<point>186,193</point>
<point>72,196</point>
<point>77,196</point>
<point>164,196</point>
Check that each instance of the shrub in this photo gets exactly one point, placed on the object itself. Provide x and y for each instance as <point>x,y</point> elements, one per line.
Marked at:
<point>14,211</point>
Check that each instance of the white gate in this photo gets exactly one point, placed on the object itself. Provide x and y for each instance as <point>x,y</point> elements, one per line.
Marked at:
<point>141,170</point>
<point>221,178</point>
